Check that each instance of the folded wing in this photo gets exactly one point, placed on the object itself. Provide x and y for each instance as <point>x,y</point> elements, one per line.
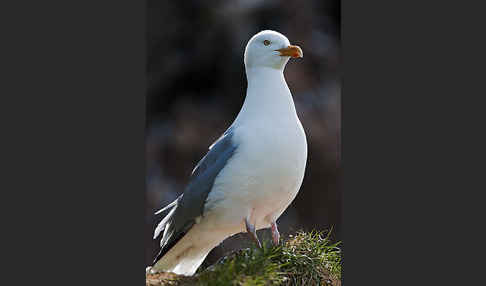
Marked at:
<point>190,205</point>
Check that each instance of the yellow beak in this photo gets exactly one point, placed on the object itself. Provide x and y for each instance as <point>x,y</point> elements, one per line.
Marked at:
<point>291,51</point>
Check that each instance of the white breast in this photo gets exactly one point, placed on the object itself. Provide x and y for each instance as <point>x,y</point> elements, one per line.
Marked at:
<point>266,171</point>
<point>275,160</point>
<point>263,176</point>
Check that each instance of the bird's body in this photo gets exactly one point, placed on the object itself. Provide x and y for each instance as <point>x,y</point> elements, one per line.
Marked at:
<point>249,176</point>
<point>266,171</point>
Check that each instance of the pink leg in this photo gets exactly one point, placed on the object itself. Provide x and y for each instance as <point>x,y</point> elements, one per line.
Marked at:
<point>275,234</point>
<point>252,232</point>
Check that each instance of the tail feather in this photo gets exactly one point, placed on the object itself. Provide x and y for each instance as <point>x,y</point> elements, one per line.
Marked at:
<point>174,227</point>
<point>185,256</point>
<point>166,248</point>
<point>167,207</point>
<point>161,226</point>
<point>165,223</point>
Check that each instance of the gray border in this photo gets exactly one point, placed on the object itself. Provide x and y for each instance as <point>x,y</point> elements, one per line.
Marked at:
<point>77,171</point>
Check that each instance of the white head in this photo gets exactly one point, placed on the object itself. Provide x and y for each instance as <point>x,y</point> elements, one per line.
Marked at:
<point>270,49</point>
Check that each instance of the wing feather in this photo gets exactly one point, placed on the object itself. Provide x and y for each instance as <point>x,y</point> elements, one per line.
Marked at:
<point>190,205</point>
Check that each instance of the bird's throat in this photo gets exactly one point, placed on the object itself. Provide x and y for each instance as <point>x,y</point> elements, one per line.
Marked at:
<point>268,93</point>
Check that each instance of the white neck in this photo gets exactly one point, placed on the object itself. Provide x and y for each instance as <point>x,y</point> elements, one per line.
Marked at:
<point>267,96</point>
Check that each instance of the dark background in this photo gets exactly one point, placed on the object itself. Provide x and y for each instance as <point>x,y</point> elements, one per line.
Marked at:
<point>197,84</point>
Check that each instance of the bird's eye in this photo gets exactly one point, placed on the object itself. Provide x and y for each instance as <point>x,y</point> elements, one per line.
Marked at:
<point>266,42</point>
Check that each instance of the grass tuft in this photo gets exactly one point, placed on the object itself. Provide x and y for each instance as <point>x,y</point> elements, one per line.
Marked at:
<point>302,259</point>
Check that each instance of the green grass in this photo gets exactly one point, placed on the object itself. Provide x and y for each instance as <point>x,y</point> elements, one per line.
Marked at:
<point>302,259</point>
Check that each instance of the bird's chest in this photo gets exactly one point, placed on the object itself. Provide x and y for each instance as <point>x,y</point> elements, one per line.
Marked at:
<point>275,159</point>
<point>278,149</point>
<point>263,176</point>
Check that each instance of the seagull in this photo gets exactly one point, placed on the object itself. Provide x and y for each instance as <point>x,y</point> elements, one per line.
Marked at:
<point>250,174</point>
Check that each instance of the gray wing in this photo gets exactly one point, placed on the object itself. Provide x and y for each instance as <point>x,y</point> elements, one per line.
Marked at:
<point>190,205</point>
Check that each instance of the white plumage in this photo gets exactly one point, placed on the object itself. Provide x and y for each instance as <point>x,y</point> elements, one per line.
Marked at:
<point>261,175</point>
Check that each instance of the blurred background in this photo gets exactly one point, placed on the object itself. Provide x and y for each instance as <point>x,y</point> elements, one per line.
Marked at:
<point>197,84</point>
